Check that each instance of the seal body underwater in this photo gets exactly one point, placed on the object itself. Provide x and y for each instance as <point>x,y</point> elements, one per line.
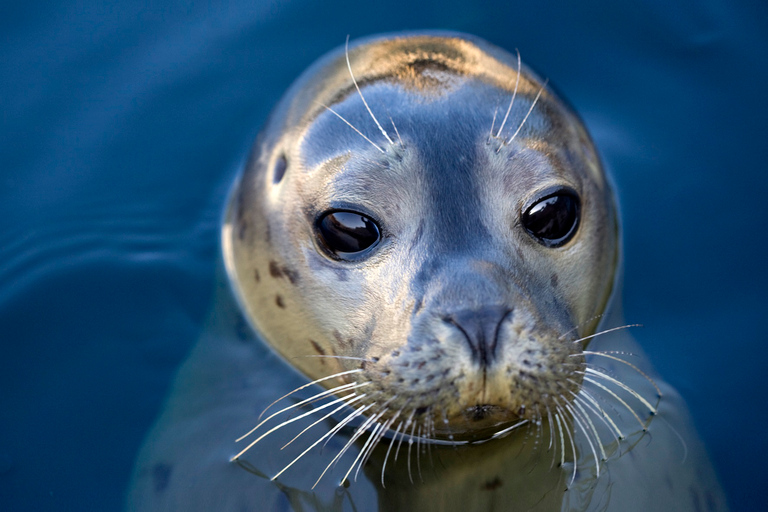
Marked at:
<point>425,231</point>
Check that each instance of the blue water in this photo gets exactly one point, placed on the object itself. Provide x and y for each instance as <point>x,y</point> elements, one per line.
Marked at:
<point>121,127</point>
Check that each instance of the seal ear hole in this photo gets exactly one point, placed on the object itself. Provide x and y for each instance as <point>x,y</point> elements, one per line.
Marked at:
<point>279,169</point>
<point>553,219</point>
<point>347,235</point>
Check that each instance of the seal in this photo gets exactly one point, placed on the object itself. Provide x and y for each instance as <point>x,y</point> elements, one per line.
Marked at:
<point>425,229</point>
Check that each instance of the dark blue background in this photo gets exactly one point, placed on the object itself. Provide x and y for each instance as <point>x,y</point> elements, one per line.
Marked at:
<point>121,127</point>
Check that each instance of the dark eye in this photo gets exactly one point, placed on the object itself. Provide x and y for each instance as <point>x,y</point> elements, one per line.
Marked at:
<point>553,220</point>
<point>347,233</point>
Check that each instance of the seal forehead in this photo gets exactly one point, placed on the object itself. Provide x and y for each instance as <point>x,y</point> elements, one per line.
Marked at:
<point>429,66</point>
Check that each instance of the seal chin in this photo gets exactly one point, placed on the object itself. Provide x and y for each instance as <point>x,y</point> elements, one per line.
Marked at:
<point>476,423</point>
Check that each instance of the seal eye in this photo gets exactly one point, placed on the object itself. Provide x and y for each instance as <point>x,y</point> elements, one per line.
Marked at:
<point>347,233</point>
<point>553,220</point>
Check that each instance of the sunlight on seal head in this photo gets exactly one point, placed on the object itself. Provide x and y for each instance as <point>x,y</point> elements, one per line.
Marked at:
<point>425,229</point>
<point>431,223</point>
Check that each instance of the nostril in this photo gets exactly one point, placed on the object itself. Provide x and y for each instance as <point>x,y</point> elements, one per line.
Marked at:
<point>480,328</point>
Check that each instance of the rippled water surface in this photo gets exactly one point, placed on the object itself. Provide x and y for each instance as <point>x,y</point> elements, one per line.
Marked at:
<point>122,127</point>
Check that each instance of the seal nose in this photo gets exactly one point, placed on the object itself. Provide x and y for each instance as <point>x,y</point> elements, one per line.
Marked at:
<point>480,328</point>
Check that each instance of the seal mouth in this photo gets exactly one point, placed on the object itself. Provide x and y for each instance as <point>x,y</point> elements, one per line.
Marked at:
<point>477,422</point>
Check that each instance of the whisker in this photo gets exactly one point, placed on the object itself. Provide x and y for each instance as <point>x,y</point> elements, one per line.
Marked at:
<point>351,358</point>
<point>504,432</point>
<point>610,355</point>
<point>327,436</point>
<point>562,336</point>
<point>514,94</point>
<point>349,67</point>
<point>606,332</point>
<point>578,400</point>
<point>407,424</point>
<point>603,415</point>
<point>623,386</point>
<point>343,387</point>
<point>573,447</point>
<point>386,457</point>
<point>283,424</point>
<point>356,398</point>
<point>418,453</point>
<point>576,419</point>
<point>535,100</point>
<point>368,442</point>
<point>410,444</point>
<point>378,437</point>
<point>352,439</point>
<point>493,122</point>
<point>362,429</point>
<point>317,381</point>
<point>399,138</point>
<point>351,125</point>
<point>552,438</point>
<point>617,397</point>
<point>586,418</point>
<point>562,440</point>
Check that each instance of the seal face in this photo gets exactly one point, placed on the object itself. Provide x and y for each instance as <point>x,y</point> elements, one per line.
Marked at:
<point>426,229</point>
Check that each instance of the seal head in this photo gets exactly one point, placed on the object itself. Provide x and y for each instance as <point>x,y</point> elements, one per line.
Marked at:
<point>426,228</point>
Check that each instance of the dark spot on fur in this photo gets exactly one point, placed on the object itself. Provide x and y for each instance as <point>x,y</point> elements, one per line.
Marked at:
<point>317,347</point>
<point>256,275</point>
<point>276,271</point>
<point>492,485</point>
<point>279,302</point>
<point>279,170</point>
<point>291,274</point>
<point>553,280</point>
<point>419,411</point>
<point>161,476</point>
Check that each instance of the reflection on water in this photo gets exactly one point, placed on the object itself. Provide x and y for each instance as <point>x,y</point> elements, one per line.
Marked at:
<point>122,128</point>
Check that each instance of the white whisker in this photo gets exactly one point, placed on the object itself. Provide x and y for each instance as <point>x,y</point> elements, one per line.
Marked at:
<point>504,432</point>
<point>389,448</point>
<point>343,387</point>
<point>327,436</point>
<point>573,447</point>
<point>576,419</point>
<point>606,332</point>
<point>407,424</point>
<point>623,386</point>
<point>351,126</point>
<point>399,138</point>
<point>316,381</point>
<point>362,429</point>
<point>376,427</point>
<point>349,67</point>
<point>535,100</point>
<point>562,440</point>
<point>514,94</point>
<point>346,420</point>
<point>493,122</point>
<point>283,424</point>
<point>566,333</point>
<point>348,402</point>
<point>610,355</point>
<point>617,397</point>
<point>410,444</point>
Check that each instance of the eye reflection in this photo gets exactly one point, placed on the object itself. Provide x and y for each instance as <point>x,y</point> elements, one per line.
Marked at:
<point>345,233</point>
